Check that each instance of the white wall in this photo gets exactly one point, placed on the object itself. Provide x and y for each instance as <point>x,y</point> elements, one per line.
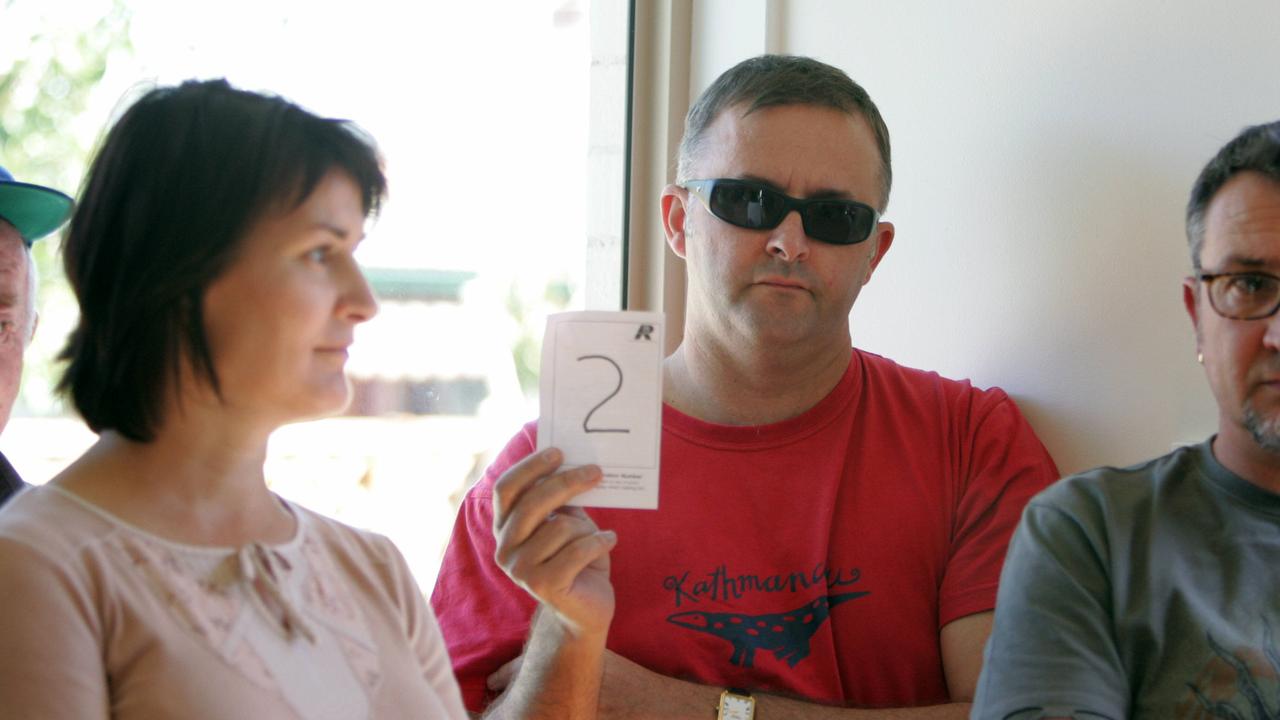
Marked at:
<point>1042,153</point>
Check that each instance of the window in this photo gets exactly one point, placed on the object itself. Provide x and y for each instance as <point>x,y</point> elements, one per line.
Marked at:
<point>502,125</point>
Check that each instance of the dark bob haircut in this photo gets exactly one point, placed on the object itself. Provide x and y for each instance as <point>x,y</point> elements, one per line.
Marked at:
<point>176,185</point>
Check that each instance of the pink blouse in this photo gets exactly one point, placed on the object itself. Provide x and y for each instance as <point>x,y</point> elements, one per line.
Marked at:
<point>99,619</point>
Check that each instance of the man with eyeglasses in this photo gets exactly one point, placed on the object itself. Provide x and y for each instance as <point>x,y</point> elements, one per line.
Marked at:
<point>831,524</point>
<point>27,212</point>
<point>1153,591</point>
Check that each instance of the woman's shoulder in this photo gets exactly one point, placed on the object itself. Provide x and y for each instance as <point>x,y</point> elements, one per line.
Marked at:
<point>54,546</point>
<point>345,543</point>
<point>53,521</point>
<point>371,560</point>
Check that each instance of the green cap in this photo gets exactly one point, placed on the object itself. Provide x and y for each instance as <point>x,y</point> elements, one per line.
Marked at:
<point>34,210</point>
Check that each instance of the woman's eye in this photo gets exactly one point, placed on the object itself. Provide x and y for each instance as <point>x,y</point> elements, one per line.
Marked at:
<point>319,254</point>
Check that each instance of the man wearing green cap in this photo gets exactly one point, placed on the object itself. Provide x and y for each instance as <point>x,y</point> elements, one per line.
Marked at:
<point>27,213</point>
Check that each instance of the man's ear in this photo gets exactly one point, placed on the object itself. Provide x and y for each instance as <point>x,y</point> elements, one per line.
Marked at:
<point>882,236</point>
<point>674,204</point>
<point>1189,302</point>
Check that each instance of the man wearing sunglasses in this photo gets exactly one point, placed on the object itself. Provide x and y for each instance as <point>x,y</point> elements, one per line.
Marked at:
<point>831,524</point>
<point>1154,591</point>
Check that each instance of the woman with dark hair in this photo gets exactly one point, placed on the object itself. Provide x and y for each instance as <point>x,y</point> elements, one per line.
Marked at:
<point>157,576</point>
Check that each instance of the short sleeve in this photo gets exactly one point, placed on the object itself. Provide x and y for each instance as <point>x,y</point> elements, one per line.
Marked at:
<point>483,615</point>
<point>1052,647</point>
<point>424,633</point>
<point>1004,466</point>
<point>51,645</point>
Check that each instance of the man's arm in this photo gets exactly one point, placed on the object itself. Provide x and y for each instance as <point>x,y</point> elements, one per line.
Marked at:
<point>561,678</point>
<point>484,616</point>
<point>560,557</point>
<point>633,692</point>
<point>1053,643</point>
<point>962,641</point>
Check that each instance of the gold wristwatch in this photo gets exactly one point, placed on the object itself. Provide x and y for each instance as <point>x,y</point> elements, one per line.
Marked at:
<point>736,705</point>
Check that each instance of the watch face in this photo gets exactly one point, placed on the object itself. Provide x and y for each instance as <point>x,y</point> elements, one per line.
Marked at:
<point>736,707</point>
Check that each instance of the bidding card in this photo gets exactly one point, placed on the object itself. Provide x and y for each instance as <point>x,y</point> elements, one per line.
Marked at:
<point>601,401</point>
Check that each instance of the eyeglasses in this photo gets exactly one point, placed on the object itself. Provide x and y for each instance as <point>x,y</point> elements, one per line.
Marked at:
<point>756,206</point>
<point>1242,295</point>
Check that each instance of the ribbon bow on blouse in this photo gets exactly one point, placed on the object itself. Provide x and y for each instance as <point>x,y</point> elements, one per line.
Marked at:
<point>260,568</point>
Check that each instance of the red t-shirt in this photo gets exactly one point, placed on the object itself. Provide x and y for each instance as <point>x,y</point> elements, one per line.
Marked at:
<point>817,557</point>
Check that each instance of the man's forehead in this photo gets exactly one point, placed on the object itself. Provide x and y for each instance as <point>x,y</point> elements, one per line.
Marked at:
<point>7,229</point>
<point>1242,224</point>
<point>830,147</point>
<point>744,116</point>
<point>13,254</point>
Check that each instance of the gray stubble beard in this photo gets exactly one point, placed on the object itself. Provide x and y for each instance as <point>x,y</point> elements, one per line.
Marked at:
<point>1265,432</point>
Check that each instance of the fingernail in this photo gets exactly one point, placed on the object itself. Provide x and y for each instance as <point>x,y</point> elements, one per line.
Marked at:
<point>552,455</point>
<point>608,537</point>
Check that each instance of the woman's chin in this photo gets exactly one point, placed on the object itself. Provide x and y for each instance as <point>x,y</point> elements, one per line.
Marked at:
<point>324,403</point>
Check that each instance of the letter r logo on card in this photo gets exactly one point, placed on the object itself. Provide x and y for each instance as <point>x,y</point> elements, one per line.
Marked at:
<point>643,332</point>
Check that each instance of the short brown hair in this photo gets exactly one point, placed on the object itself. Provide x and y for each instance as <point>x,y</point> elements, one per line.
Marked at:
<point>1255,149</point>
<point>769,80</point>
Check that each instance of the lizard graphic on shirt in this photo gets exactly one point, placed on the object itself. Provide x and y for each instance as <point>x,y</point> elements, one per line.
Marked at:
<point>786,634</point>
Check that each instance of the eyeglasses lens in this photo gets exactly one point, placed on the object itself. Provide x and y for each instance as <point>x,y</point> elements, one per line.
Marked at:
<point>759,208</point>
<point>748,207</point>
<point>1245,296</point>
<point>833,222</point>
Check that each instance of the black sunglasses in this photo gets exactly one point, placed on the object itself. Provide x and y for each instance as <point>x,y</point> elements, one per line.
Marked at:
<point>757,206</point>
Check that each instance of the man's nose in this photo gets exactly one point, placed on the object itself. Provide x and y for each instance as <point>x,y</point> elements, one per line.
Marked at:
<point>1271,338</point>
<point>788,241</point>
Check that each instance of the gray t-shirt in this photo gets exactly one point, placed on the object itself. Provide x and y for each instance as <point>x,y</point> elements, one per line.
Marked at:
<point>1145,592</point>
